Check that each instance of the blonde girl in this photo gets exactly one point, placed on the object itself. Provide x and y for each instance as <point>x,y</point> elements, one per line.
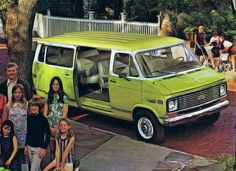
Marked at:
<point>65,141</point>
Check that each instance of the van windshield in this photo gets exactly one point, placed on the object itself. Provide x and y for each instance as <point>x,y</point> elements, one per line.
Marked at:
<point>166,61</point>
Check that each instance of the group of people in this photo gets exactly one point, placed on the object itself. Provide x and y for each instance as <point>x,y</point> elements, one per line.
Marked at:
<point>219,46</point>
<point>28,129</point>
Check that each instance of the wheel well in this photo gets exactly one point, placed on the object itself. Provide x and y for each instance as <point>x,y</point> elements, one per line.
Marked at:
<point>134,114</point>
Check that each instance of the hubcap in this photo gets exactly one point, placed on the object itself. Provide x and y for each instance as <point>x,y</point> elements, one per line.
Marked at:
<point>145,128</point>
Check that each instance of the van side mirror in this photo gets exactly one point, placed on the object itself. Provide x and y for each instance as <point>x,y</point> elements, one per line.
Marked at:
<point>124,75</point>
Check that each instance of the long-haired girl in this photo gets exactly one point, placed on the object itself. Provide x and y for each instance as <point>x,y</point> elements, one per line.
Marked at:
<point>16,109</point>
<point>38,134</point>
<point>8,146</point>
<point>55,108</point>
<point>65,141</point>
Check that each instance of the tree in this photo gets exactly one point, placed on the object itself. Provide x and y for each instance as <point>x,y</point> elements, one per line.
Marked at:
<point>19,24</point>
<point>141,10</point>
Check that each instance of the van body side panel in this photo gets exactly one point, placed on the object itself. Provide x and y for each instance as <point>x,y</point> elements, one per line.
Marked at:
<point>124,94</point>
<point>39,79</point>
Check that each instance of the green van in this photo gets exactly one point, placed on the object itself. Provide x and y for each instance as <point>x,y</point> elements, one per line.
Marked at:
<point>153,81</point>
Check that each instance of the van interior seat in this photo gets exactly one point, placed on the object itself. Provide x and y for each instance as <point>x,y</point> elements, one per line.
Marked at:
<point>103,69</point>
<point>87,68</point>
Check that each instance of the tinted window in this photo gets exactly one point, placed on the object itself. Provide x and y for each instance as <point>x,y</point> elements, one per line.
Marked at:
<point>59,56</point>
<point>41,53</point>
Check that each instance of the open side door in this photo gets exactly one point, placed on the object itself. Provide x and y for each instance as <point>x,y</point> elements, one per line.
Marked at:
<point>54,60</point>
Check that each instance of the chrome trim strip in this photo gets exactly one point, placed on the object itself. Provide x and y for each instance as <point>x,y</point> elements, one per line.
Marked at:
<point>189,115</point>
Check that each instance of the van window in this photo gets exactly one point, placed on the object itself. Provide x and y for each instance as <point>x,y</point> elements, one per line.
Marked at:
<point>124,64</point>
<point>59,56</point>
<point>41,53</point>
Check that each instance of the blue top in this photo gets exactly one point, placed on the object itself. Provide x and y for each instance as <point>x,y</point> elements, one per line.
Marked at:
<point>6,151</point>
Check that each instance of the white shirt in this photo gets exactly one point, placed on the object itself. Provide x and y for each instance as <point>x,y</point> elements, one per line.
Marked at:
<point>214,39</point>
<point>227,44</point>
<point>10,85</point>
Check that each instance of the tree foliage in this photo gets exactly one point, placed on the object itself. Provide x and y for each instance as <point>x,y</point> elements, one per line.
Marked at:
<point>214,14</point>
<point>185,15</point>
<point>141,10</point>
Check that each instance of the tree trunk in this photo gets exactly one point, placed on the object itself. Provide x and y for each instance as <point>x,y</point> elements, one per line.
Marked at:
<point>19,26</point>
<point>166,25</point>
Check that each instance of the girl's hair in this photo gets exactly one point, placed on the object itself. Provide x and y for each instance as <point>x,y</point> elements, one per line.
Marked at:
<point>10,124</point>
<point>22,99</point>
<point>70,132</point>
<point>222,37</point>
<point>32,102</point>
<point>61,92</point>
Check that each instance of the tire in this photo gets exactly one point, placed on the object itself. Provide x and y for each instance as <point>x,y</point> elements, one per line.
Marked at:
<point>211,119</point>
<point>148,128</point>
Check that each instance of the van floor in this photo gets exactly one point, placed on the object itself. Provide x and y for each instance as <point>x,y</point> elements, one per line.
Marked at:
<point>93,91</point>
<point>104,95</point>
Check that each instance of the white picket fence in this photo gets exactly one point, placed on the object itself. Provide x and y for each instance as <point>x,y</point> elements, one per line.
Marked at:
<point>49,26</point>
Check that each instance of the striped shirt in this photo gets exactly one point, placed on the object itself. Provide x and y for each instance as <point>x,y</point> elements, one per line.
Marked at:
<point>63,143</point>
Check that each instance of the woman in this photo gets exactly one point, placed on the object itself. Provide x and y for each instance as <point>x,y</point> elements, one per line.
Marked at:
<point>228,47</point>
<point>55,108</point>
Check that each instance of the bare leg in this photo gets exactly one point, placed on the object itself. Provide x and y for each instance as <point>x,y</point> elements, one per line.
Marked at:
<point>50,166</point>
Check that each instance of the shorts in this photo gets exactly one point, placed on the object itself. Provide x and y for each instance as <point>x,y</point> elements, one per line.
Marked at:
<point>68,166</point>
<point>201,51</point>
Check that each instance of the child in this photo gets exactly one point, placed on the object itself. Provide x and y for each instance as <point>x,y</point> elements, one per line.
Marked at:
<point>3,102</point>
<point>200,42</point>
<point>214,38</point>
<point>38,134</point>
<point>16,109</point>
<point>216,55</point>
<point>65,141</point>
<point>55,107</point>
<point>8,146</point>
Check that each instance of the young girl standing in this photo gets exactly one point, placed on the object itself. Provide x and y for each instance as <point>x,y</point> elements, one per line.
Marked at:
<point>16,109</point>
<point>8,146</point>
<point>55,108</point>
<point>38,134</point>
<point>65,141</point>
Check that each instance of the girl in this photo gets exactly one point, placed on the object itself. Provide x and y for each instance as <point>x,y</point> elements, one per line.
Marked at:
<point>228,47</point>
<point>8,146</point>
<point>200,42</point>
<point>3,102</point>
<point>65,141</point>
<point>55,107</point>
<point>16,109</point>
<point>38,134</point>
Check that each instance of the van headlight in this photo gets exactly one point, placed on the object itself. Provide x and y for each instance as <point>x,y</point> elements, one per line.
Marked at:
<point>223,90</point>
<point>172,104</point>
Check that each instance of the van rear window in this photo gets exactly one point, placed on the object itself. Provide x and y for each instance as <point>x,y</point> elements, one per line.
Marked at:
<point>59,56</point>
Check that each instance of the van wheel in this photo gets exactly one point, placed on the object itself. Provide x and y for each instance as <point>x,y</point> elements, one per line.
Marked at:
<point>211,119</point>
<point>148,127</point>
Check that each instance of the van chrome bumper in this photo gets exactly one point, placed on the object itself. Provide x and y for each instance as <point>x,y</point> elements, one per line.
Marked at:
<point>195,115</point>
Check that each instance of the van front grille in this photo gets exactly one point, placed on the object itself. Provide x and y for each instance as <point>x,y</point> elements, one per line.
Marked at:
<point>198,98</point>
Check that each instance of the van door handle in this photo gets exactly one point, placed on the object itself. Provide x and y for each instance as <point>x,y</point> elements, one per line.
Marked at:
<point>113,81</point>
<point>67,75</point>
